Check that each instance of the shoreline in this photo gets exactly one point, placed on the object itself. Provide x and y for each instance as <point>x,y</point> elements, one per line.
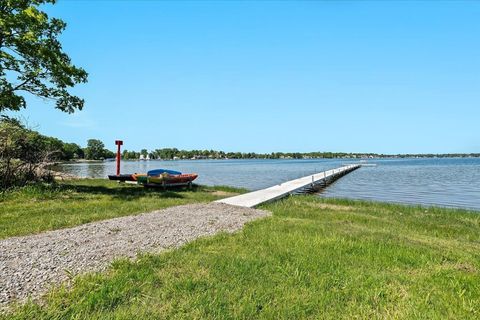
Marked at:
<point>80,161</point>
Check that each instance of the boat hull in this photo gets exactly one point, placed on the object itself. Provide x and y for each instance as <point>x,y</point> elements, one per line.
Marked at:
<point>122,177</point>
<point>167,180</point>
<point>137,176</point>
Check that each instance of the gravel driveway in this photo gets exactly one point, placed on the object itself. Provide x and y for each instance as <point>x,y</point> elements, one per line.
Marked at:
<point>30,265</point>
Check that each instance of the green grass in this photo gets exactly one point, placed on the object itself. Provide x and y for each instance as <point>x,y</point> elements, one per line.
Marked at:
<point>39,208</point>
<point>314,258</point>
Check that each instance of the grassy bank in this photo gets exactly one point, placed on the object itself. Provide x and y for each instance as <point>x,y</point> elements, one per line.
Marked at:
<point>45,207</point>
<point>313,258</point>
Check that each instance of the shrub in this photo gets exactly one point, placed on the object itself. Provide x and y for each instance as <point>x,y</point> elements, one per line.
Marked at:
<point>24,154</point>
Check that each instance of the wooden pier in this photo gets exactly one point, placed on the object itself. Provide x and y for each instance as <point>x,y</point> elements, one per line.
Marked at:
<point>301,185</point>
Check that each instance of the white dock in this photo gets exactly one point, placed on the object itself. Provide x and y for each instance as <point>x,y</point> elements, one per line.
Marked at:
<point>258,197</point>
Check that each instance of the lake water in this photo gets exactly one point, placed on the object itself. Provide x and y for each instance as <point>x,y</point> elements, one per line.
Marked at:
<point>449,182</point>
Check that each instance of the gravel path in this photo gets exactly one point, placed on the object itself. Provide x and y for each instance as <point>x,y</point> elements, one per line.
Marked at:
<point>30,265</point>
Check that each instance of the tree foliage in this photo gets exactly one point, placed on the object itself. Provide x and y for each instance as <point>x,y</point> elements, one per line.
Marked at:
<point>32,60</point>
<point>94,149</point>
<point>72,151</point>
<point>23,153</point>
<point>26,155</point>
<point>130,155</point>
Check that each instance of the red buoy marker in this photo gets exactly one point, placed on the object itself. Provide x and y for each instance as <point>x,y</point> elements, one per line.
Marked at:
<point>118,143</point>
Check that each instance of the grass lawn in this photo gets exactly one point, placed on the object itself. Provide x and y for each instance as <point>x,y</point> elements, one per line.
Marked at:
<point>39,208</point>
<point>314,258</point>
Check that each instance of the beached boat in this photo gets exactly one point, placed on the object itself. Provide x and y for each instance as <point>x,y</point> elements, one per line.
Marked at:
<point>122,177</point>
<point>167,180</point>
<point>134,176</point>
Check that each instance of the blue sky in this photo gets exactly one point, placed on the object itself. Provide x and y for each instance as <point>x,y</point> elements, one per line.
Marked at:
<point>386,77</point>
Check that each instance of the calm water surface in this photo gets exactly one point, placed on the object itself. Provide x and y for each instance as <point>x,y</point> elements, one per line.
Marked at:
<point>443,182</point>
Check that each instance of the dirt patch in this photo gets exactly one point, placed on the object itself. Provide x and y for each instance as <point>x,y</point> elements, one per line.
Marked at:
<point>327,206</point>
<point>220,193</point>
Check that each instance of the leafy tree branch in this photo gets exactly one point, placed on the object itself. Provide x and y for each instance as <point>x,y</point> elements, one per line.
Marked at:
<point>32,60</point>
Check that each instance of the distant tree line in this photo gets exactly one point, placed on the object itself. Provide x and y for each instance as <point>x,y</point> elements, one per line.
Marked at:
<point>25,153</point>
<point>174,153</point>
<point>59,150</point>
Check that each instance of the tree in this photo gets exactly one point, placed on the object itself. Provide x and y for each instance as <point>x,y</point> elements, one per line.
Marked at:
<point>108,154</point>
<point>94,150</point>
<point>32,60</point>
<point>53,145</point>
<point>23,154</point>
<point>71,151</point>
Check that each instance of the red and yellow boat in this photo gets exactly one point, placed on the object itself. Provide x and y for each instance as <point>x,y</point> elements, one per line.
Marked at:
<point>166,179</point>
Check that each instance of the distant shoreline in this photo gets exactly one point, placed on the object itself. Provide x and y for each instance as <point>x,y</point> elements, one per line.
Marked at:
<point>386,157</point>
